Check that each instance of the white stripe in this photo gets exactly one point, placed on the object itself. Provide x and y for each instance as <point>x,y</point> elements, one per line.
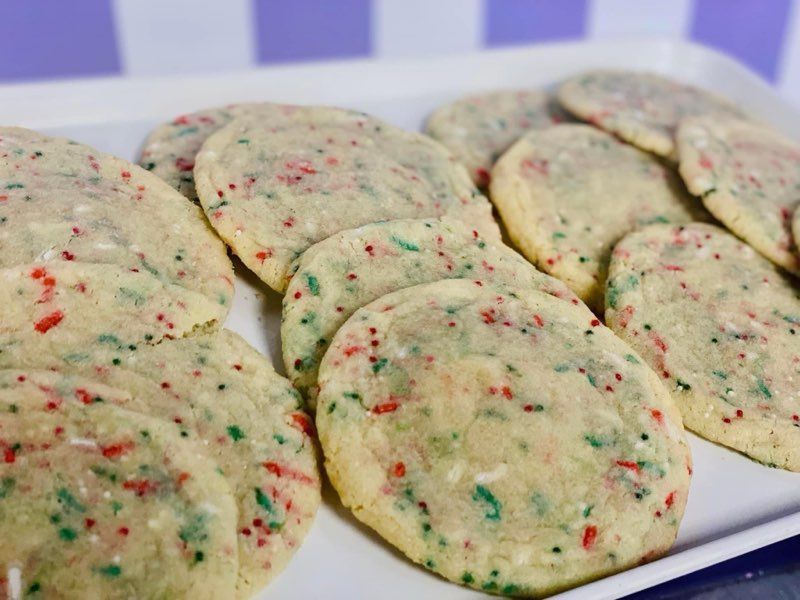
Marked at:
<point>159,37</point>
<point>614,18</point>
<point>404,28</point>
<point>788,80</point>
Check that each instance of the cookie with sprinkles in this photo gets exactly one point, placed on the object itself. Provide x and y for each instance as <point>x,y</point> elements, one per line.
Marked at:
<point>748,176</point>
<point>719,323</point>
<point>220,391</point>
<point>65,306</point>
<point>642,108</point>
<point>567,194</point>
<point>504,441</point>
<point>350,269</point>
<point>477,129</point>
<point>170,149</point>
<point>63,202</point>
<point>92,494</point>
<point>273,188</point>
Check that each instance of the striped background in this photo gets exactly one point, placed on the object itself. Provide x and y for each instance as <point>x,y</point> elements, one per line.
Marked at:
<point>43,39</point>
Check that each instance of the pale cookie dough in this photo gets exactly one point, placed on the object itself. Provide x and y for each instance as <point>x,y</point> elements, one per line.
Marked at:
<point>567,194</point>
<point>720,324</point>
<point>272,188</point>
<point>641,108</point>
<point>342,273</point>
<point>218,389</point>
<point>748,176</point>
<point>503,441</point>
<point>477,129</point>
<point>101,502</point>
<point>63,202</point>
<point>65,306</point>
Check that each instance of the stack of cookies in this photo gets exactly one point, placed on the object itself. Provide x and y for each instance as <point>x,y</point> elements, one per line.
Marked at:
<point>133,428</point>
<point>472,408</point>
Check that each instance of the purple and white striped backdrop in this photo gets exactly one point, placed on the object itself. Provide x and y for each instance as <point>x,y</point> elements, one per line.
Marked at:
<point>45,39</point>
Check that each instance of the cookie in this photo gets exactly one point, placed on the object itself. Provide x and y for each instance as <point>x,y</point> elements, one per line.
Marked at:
<point>478,129</point>
<point>170,149</point>
<point>720,324</point>
<point>273,188</point>
<point>567,194</point>
<point>643,109</point>
<point>219,390</point>
<point>92,494</point>
<point>504,441</point>
<point>63,202</point>
<point>748,176</point>
<point>64,306</point>
<point>350,269</point>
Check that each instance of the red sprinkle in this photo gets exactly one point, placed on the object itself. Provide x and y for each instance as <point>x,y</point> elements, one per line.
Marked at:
<point>399,470</point>
<point>386,407</point>
<point>48,322</point>
<point>589,537</point>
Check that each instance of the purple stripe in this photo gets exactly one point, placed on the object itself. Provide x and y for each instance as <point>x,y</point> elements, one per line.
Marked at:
<point>521,21</point>
<point>293,30</point>
<point>750,30</point>
<point>56,38</point>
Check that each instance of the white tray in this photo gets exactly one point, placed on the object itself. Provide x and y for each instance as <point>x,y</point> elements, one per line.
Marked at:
<point>735,505</point>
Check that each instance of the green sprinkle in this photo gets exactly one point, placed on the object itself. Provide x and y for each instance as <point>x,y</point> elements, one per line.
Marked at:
<point>405,245</point>
<point>6,486</point>
<point>110,570</point>
<point>235,433</point>
<point>762,387</point>
<point>199,556</point>
<point>591,379</point>
<point>587,511</point>
<point>556,550</point>
<point>34,587</point>
<point>466,577</point>
<point>596,441</point>
<point>379,364</point>
<point>541,504</point>
<point>313,284</point>
<point>69,500</point>
<point>483,494</point>
<point>195,530</point>
<point>262,500</point>
<point>631,359</point>
<point>67,534</point>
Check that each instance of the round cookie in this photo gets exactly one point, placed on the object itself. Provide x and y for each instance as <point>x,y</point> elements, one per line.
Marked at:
<point>218,389</point>
<point>504,441</point>
<point>478,129</point>
<point>350,269</point>
<point>272,188</point>
<point>170,149</point>
<point>92,494</point>
<point>66,305</point>
<point>641,108</point>
<point>720,324</point>
<point>748,177</point>
<point>65,202</point>
<point>567,194</point>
